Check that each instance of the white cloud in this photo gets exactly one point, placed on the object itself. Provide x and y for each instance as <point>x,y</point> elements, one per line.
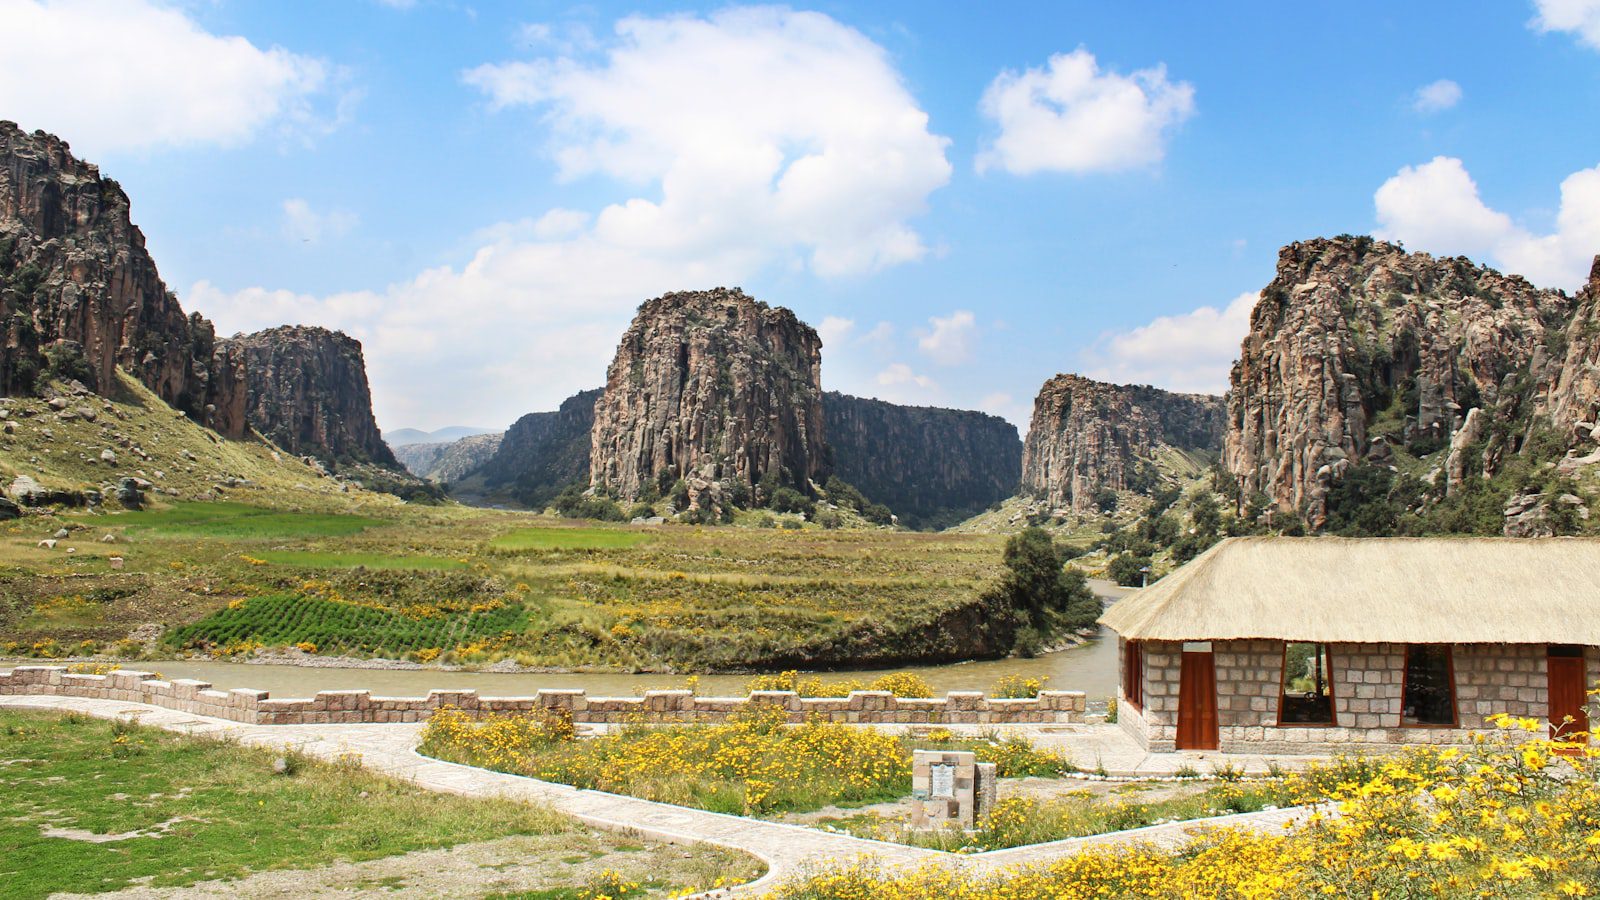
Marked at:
<point>834,330</point>
<point>748,140</point>
<point>1072,117</point>
<point>898,383</point>
<point>881,333</point>
<point>767,129</point>
<point>951,339</point>
<point>1580,17</point>
<point>302,223</point>
<point>117,75</point>
<point>1436,207</point>
<point>1189,352</point>
<point>1436,97</point>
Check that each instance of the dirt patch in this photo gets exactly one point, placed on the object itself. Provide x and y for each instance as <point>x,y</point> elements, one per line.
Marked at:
<point>514,864</point>
<point>1030,788</point>
<point>89,837</point>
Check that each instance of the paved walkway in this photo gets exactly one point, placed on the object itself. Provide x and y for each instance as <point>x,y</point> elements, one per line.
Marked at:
<point>786,849</point>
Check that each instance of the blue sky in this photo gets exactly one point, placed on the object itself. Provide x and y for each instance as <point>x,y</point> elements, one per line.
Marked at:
<point>965,200</point>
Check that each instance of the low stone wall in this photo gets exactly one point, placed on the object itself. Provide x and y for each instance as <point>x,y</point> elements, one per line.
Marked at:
<point>353,707</point>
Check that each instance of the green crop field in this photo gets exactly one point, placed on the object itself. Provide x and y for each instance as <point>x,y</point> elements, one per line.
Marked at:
<point>569,538</point>
<point>310,559</point>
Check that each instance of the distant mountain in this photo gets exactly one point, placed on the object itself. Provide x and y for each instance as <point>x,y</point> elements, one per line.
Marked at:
<point>448,463</point>
<point>400,437</point>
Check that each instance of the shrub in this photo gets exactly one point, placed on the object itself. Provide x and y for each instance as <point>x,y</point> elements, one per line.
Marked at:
<point>1018,687</point>
<point>1128,570</point>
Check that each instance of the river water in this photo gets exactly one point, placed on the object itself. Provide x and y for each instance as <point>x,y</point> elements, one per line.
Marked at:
<point>1091,668</point>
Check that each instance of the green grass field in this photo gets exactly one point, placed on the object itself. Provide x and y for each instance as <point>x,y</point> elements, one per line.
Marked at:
<point>569,538</point>
<point>229,520</point>
<point>180,810</point>
<point>311,559</point>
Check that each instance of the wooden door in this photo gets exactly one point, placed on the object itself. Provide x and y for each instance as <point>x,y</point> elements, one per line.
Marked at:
<point>1567,695</point>
<point>1197,702</point>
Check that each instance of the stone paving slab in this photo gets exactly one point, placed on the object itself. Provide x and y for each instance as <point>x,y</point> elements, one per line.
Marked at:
<point>787,850</point>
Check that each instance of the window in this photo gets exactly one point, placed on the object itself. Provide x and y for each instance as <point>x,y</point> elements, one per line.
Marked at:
<point>1307,697</point>
<point>1430,689</point>
<point>1133,674</point>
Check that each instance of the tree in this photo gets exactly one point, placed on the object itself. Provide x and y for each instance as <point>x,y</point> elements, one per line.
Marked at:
<point>1128,569</point>
<point>1049,596</point>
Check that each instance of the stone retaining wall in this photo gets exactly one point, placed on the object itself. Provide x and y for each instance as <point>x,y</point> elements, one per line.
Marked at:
<point>352,707</point>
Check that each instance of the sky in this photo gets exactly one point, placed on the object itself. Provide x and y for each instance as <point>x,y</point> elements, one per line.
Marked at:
<point>964,199</point>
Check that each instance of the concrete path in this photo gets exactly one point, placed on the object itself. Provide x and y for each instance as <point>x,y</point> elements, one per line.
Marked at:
<point>786,849</point>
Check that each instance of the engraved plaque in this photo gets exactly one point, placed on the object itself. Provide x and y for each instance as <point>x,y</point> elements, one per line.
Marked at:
<point>942,782</point>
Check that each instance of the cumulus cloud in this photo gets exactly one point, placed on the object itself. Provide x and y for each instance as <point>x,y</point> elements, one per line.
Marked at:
<point>1436,207</point>
<point>834,330</point>
<point>1577,17</point>
<point>898,383</point>
<point>950,340</point>
<point>1436,97</point>
<point>1188,352</point>
<point>302,223</point>
<point>766,128</point>
<point>1072,117</point>
<point>118,75</point>
<point>746,140</point>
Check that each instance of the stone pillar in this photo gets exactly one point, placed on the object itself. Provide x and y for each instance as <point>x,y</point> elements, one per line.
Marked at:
<point>950,788</point>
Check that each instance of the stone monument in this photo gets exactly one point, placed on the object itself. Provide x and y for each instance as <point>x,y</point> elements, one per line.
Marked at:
<point>950,787</point>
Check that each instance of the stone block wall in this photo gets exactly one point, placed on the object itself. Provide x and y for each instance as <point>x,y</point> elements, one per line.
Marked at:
<point>351,707</point>
<point>1368,682</point>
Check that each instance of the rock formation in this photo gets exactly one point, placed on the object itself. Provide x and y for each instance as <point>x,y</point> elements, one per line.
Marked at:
<point>543,452</point>
<point>308,394</point>
<point>446,462</point>
<point>1356,338</point>
<point>932,466</point>
<point>1087,436</point>
<point>1574,398</point>
<point>80,296</point>
<point>713,387</point>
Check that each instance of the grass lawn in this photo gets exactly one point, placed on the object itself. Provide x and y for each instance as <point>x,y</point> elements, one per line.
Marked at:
<point>88,805</point>
<point>225,519</point>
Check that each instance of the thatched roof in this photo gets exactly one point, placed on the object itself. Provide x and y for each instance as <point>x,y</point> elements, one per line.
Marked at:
<point>1369,590</point>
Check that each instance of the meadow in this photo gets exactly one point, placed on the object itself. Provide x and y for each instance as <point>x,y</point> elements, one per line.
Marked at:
<point>89,806</point>
<point>261,572</point>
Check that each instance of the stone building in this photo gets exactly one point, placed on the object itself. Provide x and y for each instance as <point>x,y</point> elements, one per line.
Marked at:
<point>1287,645</point>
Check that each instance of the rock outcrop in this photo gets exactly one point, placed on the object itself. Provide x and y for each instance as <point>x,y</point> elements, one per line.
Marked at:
<point>308,394</point>
<point>933,467</point>
<point>446,462</point>
<point>543,452</point>
<point>80,296</point>
<point>1356,338</point>
<point>1574,398</point>
<point>714,387</point>
<point>1087,436</point>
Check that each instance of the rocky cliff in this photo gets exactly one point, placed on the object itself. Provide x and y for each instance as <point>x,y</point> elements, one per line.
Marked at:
<point>543,452</point>
<point>933,467</point>
<point>308,394</point>
<point>1357,347</point>
<point>446,462</point>
<point>1087,436</point>
<point>1574,398</point>
<point>714,387</point>
<point>80,296</point>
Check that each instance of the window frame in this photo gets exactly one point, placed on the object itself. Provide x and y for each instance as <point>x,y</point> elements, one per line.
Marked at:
<point>1450,675</point>
<point>1133,674</point>
<point>1283,688</point>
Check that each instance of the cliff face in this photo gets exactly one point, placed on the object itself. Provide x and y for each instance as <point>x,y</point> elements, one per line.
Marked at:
<point>713,386</point>
<point>81,296</point>
<point>544,452</point>
<point>1354,332</point>
<point>446,462</point>
<point>931,466</point>
<point>1087,436</point>
<point>308,393</point>
<point>1574,398</point>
